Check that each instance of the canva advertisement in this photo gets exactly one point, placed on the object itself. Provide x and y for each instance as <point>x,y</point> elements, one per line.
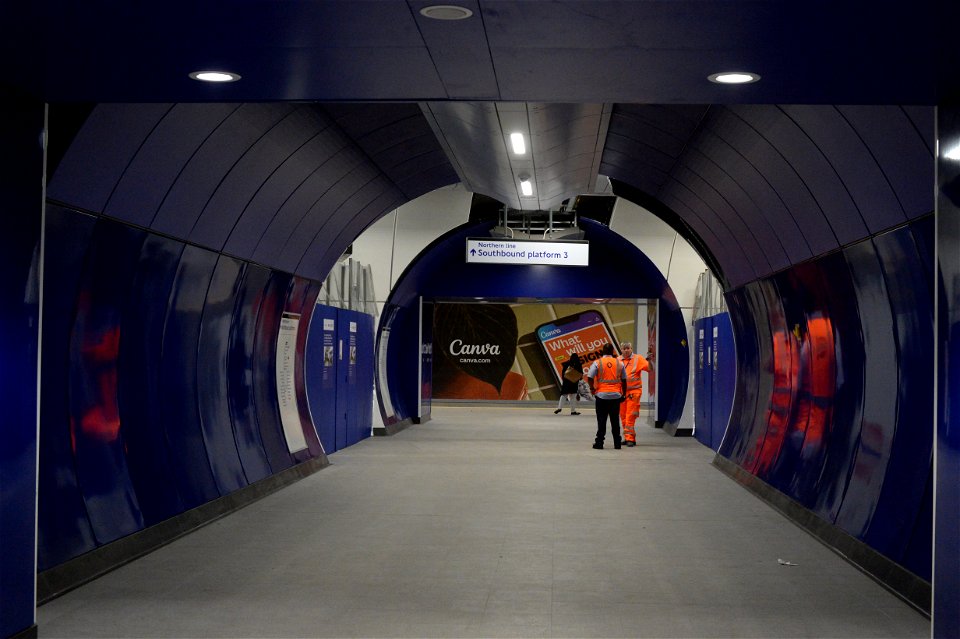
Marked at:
<point>516,351</point>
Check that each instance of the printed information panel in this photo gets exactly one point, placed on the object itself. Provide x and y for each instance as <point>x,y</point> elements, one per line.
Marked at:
<point>490,251</point>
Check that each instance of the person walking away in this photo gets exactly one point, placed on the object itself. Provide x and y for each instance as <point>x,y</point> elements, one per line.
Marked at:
<point>569,389</point>
<point>634,364</point>
<point>608,380</point>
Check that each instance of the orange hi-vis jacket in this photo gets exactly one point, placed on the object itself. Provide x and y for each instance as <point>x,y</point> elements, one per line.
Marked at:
<point>634,366</point>
<point>608,375</point>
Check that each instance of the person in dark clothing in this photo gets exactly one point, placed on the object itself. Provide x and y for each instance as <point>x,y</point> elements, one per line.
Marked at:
<point>569,388</point>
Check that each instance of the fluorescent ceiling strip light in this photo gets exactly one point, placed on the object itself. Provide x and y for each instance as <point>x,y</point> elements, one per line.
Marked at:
<point>519,146</point>
<point>526,188</point>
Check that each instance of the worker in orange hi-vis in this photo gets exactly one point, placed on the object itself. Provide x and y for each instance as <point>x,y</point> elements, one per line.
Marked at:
<point>634,364</point>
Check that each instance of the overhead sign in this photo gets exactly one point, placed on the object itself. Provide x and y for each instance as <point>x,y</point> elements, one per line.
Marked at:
<point>496,251</point>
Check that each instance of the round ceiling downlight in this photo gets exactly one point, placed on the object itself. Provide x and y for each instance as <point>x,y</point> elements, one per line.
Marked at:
<point>215,76</point>
<point>446,12</point>
<point>733,77</point>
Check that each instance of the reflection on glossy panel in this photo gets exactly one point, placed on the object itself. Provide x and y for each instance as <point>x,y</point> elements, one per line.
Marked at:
<point>213,348</point>
<point>265,371</point>
<point>63,526</point>
<point>178,378</point>
<point>880,390</point>
<point>94,411</point>
<point>140,395</point>
<point>240,364</point>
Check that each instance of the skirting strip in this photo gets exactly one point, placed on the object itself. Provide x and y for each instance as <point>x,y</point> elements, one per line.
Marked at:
<point>60,579</point>
<point>889,574</point>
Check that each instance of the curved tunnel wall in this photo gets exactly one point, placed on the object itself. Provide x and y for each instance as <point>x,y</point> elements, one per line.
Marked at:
<point>617,270</point>
<point>159,389</point>
<point>818,219</point>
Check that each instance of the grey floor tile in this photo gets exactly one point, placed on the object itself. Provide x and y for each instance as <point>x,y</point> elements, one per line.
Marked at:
<point>494,522</point>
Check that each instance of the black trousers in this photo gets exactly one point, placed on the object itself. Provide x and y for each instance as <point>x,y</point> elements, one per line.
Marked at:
<point>608,408</point>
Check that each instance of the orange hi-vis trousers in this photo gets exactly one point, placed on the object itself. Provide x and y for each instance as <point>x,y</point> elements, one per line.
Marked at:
<point>629,411</point>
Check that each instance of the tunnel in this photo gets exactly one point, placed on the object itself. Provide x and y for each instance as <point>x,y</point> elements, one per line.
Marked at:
<point>160,246</point>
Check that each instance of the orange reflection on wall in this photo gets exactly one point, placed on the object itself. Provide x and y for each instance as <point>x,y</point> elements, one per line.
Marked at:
<point>101,420</point>
<point>822,382</point>
<point>785,368</point>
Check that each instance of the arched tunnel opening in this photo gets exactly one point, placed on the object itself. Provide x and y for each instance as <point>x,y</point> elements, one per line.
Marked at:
<point>824,252</point>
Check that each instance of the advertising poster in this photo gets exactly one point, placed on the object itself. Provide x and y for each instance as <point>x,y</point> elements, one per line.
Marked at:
<point>515,351</point>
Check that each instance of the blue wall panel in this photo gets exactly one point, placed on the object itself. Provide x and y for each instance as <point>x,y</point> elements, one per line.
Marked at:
<point>346,379</point>
<point>179,409</point>
<point>64,529</point>
<point>724,374</point>
<point>213,349</point>
<point>321,374</point>
<point>264,369</point>
<point>21,128</point>
<point>96,429</point>
<point>240,364</point>
<point>880,390</point>
<point>703,380</point>
<point>140,396</point>
<point>912,447</point>
<point>841,308</point>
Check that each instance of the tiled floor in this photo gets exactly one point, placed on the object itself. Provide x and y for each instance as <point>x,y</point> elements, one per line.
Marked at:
<point>494,522</point>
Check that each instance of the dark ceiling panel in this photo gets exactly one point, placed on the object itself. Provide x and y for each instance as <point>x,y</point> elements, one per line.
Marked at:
<point>204,172</point>
<point>740,205</point>
<point>901,150</point>
<point>852,161</point>
<point>288,182</point>
<point>771,164</point>
<point>250,172</point>
<point>160,159</point>
<point>712,208</point>
<point>760,192</point>
<point>813,170</point>
<point>304,202</point>
<point>112,135</point>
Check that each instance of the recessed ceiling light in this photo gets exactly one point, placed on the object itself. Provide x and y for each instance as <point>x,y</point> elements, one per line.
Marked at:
<point>446,12</point>
<point>526,188</point>
<point>733,77</point>
<point>215,76</point>
<point>518,144</point>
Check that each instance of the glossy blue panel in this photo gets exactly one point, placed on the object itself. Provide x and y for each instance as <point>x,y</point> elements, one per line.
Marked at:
<point>946,575</point>
<point>21,132</point>
<point>321,374</point>
<point>63,527</point>
<point>880,390</point>
<point>213,350</point>
<point>139,394</point>
<point>140,191</point>
<point>781,362</point>
<point>840,305</point>
<point>95,424</point>
<point>748,377</point>
<point>264,368</point>
<point>365,368</point>
<point>179,409</point>
<point>301,300</point>
<point>910,462</point>
<point>346,417</point>
<point>754,425</point>
<point>703,380</point>
<point>200,178</point>
<point>724,376</point>
<point>240,364</point>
